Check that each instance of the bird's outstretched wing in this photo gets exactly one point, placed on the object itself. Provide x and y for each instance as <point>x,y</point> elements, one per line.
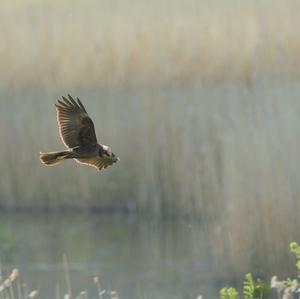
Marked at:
<point>75,126</point>
<point>96,162</point>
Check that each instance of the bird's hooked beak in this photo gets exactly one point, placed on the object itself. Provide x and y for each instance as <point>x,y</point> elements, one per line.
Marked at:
<point>114,157</point>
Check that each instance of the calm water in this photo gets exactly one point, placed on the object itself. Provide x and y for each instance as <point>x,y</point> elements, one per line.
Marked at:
<point>138,258</point>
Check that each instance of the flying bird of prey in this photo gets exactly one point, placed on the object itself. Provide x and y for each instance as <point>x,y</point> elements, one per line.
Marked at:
<point>77,132</point>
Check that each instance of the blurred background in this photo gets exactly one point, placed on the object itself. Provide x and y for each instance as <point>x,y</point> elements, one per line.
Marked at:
<point>199,99</point>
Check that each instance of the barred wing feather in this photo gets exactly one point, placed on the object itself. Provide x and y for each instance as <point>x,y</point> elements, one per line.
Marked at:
<point>76,128</point>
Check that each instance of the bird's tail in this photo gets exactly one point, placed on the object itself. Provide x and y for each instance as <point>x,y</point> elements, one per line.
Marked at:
<point>53,158</point>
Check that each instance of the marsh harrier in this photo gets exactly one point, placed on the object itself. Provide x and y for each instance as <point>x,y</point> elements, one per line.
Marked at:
<point>77,132</point>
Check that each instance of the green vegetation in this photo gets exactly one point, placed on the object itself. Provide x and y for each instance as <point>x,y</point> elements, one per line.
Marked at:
<point>259,289</point>
<point>251,290</point>
<point>13,288</point>
<point>229,293</point>
<point>7,244</point>
<point>295,248</point>
<point>254,289</point>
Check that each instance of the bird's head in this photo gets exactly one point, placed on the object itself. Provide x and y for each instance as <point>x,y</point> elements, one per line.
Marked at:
<point>109,154</point>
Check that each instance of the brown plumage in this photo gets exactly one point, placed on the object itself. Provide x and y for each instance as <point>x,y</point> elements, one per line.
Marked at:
<point>77,132</point>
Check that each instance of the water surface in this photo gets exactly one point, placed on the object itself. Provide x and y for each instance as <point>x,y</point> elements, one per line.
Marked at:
<point>138,258</point>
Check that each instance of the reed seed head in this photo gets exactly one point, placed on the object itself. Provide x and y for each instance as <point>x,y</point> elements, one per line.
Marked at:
<point>33,294</point>
<point>114,295</point>
<point>7,283</point>
<point>14,275</point>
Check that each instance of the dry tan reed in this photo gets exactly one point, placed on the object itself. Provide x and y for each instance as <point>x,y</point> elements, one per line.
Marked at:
<point>10,288</point>
<point>99,289</point>
<point>228,154</point>
<point>184,149</point>
<point>130,43</point>
<point>67,276</point>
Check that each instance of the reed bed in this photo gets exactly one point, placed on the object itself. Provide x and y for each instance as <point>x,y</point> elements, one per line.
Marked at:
<point>228,155</point>
<point>178,89</point>
<point>134,43</point>
<point>13,287</point>
<point>195,151</point>
<point>199,99</point>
